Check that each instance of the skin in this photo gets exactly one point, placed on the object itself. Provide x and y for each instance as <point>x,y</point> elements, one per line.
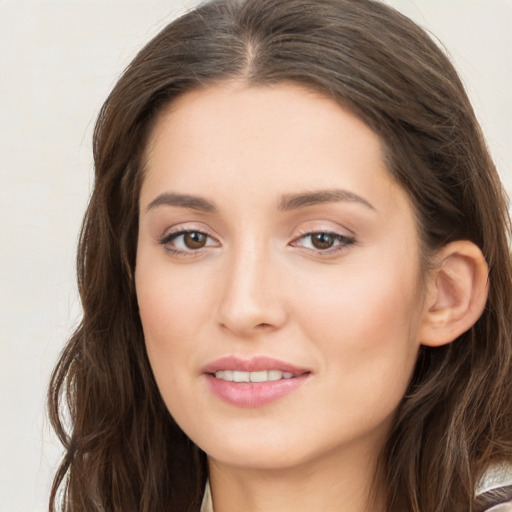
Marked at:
<point>351,315</point>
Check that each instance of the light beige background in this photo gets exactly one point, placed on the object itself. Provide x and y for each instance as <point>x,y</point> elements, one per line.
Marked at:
<point>58,60</point>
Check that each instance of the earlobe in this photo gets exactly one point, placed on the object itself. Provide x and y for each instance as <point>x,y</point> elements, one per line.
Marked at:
<point>457,293</point>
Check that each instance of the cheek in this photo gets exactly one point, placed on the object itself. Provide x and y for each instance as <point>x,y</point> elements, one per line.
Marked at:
<point>375,300</point>
<point>171,302</point>
<point>364,339</point>
<point>365,320</point>
<point>166,324</point>
<point>175,306</point>
<point>165,320</point>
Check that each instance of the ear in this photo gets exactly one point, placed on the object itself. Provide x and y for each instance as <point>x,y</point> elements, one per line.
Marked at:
<point>456,293</point>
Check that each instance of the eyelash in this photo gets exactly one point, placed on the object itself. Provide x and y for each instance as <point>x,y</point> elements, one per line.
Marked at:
<point>343,242</point>
<point>171,237</point>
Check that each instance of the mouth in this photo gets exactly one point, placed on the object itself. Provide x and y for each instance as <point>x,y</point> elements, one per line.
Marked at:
<point>255,382</point>
<point>261,376</point>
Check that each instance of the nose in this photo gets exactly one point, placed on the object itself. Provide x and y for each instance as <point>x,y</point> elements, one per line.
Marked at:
<point>252,299</point>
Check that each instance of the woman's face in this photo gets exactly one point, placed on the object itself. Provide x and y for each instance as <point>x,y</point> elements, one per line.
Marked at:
<point>275,248</point>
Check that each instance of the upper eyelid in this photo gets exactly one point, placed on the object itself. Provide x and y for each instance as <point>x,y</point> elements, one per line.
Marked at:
<point>302,233</point>
<point>182,228</point>
<point>317,224</point>
<point>337,231</point>
<point>171,235</point>
<point>333,233</point>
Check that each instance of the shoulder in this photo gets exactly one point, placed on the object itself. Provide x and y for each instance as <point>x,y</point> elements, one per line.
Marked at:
<point>494,491</point>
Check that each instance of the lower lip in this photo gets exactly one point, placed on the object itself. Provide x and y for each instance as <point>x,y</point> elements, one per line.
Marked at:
<point>254,394</point>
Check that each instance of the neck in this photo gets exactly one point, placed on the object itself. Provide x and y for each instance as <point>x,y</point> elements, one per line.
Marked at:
<point>334,483</point>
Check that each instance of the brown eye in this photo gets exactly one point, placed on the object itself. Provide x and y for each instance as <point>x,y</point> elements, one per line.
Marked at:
<point>194,240</point>
<point>322,240</point>
<point>187,242</point>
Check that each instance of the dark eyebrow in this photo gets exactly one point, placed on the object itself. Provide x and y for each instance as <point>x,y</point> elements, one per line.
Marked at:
<point>183,201</point>
<point>294,201</point>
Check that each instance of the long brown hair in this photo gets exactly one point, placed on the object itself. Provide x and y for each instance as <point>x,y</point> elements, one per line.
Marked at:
<point>123,451</point>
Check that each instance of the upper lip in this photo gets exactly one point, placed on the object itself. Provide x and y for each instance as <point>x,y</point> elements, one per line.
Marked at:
<point>255,364</point>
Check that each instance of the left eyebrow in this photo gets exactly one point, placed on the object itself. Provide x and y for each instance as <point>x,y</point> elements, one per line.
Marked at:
<point>300,200</point>
<point>183,201</point>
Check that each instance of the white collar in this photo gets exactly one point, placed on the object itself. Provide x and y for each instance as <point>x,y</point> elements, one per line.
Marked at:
<point>207,505</point>
<point>498,475</point>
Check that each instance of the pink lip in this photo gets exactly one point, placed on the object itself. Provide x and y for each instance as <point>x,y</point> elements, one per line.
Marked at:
<point>253,394</point>
<point>255,364</point>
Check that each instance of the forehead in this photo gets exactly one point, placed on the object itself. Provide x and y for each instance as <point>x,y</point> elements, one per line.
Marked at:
<point>277,139</point>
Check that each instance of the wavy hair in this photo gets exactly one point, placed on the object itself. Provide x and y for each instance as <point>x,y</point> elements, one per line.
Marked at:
<point>123,451</point>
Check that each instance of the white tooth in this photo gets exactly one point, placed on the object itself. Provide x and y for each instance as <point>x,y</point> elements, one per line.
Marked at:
<point>275,374</point>
<point>224,375</point>
<point>241,376</point>
<point>259,376</point>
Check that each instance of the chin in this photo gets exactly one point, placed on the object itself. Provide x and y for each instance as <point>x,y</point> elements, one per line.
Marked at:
<point>254,458</point>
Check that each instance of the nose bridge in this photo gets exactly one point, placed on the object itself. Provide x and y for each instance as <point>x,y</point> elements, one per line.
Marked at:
<point>250,297</point>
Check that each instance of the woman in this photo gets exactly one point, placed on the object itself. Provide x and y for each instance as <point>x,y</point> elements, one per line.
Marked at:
<point>295,276</point>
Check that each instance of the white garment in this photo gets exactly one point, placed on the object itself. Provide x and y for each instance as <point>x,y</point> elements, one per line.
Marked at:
<point>503,507</point>
<point>207,505</point>
<point>499,475</point>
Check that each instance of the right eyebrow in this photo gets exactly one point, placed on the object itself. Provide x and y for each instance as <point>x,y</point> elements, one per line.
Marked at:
<point>182,201</point>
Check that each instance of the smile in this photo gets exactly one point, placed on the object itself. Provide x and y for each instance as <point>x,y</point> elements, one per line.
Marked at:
<point>253,382</point>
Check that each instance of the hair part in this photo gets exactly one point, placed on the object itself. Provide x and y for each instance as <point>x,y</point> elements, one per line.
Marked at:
<point>123,450</point>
